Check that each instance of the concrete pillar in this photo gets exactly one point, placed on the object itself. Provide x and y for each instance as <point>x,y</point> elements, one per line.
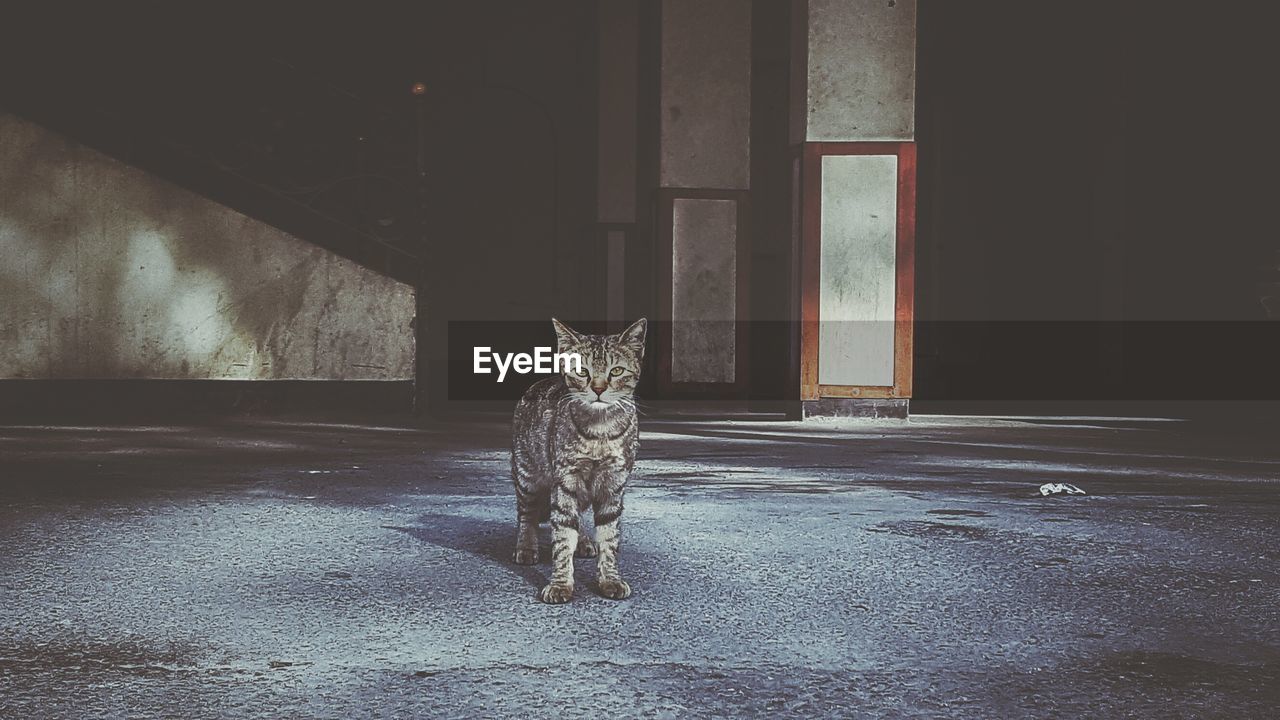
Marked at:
<point>855,63</point>
<point>617,156</point>
<point>706,94</point>
<point>616,90</point>
<point>704,175</point>
<point>853,118</point>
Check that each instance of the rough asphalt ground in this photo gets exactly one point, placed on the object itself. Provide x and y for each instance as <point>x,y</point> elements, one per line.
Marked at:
<point>273,568</point>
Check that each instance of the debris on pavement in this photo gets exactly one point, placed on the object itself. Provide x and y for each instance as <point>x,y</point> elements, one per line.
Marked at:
<point>1048,489</point>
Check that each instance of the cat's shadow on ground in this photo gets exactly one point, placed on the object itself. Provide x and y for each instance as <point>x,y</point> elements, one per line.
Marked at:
<point>489,540</point>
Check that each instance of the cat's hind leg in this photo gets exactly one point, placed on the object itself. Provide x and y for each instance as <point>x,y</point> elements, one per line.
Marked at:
<point>531,508</point>
<point>526,552</point>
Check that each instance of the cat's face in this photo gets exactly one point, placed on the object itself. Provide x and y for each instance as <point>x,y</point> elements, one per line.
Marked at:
<point>610,364</point>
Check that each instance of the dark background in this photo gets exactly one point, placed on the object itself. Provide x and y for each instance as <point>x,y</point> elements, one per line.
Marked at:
<point>1095,190</point>
<point>1095,202</point>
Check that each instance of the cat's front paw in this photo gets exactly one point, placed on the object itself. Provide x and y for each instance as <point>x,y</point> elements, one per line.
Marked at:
<point>525,556</point>
<point>555,594</point>
<point>615,589</point>
<point>586,549</point>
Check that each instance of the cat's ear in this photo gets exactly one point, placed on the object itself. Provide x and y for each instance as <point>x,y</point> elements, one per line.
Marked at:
<point>566,338</point>
<point>634,335</point>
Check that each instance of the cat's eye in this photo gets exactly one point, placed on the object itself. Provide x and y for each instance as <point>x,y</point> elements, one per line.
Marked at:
<point>583,372</point>
<point>616,371</point>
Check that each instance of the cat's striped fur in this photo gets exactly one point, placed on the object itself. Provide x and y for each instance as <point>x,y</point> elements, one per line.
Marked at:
<point>575,442</point>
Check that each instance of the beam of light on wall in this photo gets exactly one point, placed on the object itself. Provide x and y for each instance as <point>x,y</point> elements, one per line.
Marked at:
<point>149,269</point>
<point>107,271</point>
<point>195,325</point>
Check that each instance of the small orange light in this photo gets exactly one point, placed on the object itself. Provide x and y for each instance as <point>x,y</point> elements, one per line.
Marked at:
<point>419,89</point>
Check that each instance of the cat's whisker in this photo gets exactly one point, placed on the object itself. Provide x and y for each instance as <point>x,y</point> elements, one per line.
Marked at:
<point>641,407</point>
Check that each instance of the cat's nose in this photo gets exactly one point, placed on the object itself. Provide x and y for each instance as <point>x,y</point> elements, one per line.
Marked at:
<point>599,388</point>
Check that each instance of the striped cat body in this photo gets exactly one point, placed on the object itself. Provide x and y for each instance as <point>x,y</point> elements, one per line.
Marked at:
<point>574,447</point>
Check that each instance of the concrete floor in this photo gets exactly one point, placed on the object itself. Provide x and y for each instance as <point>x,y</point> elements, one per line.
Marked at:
<point>876,568</point>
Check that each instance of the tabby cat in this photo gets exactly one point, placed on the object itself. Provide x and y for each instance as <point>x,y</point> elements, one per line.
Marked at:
<point>575,444</point>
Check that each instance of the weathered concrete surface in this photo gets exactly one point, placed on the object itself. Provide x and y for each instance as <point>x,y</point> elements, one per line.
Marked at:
<point>109,272</point>
<point>705,94</point>
<point>873,569</point>
<point>857,79</point>
<point>863,408</point>
<point>704,292</point>
<point>859,269</point>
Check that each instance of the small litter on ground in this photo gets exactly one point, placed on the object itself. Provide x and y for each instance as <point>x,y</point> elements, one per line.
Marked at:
<point>1048,489</point>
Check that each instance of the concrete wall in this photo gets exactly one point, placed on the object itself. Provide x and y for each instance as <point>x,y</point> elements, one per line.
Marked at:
<point>858,269</point>
<point>704,257</point>
<point>705,143</point>
<point>857,80</point>
<point>109,272</point>
<point>706,94</point>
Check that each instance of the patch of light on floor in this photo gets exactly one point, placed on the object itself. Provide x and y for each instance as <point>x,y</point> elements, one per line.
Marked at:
<point>655,435</point>
<point>305,425</point>
<point>1094,453</point>
<point>1100,470</point>
<point>1056,418</point>
<point>103,428</point>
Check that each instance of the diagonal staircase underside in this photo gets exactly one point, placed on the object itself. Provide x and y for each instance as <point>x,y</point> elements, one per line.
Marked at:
<point>267,132</point>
